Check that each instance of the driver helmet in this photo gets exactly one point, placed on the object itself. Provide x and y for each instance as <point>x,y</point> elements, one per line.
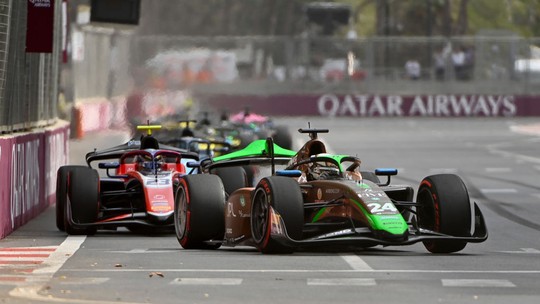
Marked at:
<point>151,165</point>
<point>324,172</point>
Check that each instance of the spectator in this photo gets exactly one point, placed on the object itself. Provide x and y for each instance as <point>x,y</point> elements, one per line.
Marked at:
<point>412,69</point>
<point>458,60</point>
<point>439,60</point>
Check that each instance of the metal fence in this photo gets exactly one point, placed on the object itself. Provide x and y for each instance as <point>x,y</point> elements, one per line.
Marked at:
<point>28,81</point>
<point>493,63</point>
<point>110,61</point>
<point>100,62</point>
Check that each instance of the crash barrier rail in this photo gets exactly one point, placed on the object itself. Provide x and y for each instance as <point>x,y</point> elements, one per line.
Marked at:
<point>28,81</point>
<point>28,182</point>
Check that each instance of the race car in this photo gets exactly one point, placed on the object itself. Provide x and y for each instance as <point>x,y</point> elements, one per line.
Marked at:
<point>183,136</point>
<point>319,200</point>
<point>136,188</point>
<point>250,126</point>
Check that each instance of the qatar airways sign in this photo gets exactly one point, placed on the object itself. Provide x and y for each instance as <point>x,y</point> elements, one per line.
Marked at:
<point>367,105</point>
<point>420,105</point>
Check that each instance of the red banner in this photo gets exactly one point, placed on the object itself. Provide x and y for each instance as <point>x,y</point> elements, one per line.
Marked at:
<point>40,26</point>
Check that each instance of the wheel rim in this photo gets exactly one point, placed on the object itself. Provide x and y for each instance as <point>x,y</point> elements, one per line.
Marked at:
<point>260,216</point>
<point>180,220</point>
<point>426,214</point>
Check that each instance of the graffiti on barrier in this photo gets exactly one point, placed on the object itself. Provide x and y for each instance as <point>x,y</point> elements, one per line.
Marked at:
<point>25,182</point>
<point>57,156</point>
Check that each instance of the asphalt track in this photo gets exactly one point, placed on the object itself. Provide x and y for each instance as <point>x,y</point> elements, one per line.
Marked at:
<point>497,158</point>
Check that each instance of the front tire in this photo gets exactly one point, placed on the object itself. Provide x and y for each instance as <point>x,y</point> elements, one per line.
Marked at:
<point>61,194</point>
<point>284,196</point>
<point>83,200</point>
<point>199,211</point>
<point>444,207</point>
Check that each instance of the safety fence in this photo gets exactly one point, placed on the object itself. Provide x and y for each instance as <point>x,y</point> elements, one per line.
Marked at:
<point>492,62</point>
<point>33,141</point>
<point>110,61</point>
<point>119,75</point>
<point>28,81</point>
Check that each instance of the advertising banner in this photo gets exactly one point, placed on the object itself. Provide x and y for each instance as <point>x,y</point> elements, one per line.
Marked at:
<point>5,178</point>
<point>28,181</point>
<point>40,26</point>
<point>367,105</point>
<point>27,178</point>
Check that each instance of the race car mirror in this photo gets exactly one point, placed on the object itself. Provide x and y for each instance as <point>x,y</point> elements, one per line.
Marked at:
<point>386,172</point>
<point>289,173</point>
<point>192,164</point>
<point>109,165</point>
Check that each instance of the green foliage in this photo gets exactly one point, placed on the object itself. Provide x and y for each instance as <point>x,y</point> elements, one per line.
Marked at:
<point>410,17</point>
<point>286,17</point>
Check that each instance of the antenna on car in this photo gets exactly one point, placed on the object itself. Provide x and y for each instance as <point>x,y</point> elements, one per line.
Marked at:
<point>187,131</point>
<point>148,128</point>
<point>312,132</point>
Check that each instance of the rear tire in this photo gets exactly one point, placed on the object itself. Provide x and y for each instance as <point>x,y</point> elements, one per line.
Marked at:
<point>282,137</point>
<point>444,207</point>
<point>61,194</point>
<point>233,178</point>
<point>83,202</point>
<point>199,211</point>
<point>284,196</point>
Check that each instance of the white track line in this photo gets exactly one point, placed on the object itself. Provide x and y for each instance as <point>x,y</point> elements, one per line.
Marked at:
<point>356,262</point>
<point>476,283</point>
<point>206,281</point>
<point>342,282</point>
<point>179,270</point>
<point>60,255</point>
<point>31,291</point>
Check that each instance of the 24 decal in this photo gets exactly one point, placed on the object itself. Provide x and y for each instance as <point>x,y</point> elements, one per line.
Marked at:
<point>378,208</point>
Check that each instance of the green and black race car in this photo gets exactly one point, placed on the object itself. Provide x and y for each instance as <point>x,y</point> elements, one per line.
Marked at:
<point>311,198</point>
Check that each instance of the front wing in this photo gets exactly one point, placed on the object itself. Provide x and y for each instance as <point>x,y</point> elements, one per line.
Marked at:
<point>364,237</point>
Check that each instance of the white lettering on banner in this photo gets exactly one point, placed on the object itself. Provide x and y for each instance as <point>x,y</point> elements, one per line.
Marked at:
<point>56,157</point>
<point>41,3</point>
<point>25,186</point>
<point>428,105</point>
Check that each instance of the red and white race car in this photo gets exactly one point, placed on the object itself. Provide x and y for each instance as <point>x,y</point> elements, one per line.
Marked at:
<point>135,188</point>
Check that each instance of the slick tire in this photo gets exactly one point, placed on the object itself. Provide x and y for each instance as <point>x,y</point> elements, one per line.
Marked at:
<point>282,137</point>
<point>233,178</point>
<point>83,204</point>
<point>444,206</point>
<point>61,194</point>
<point>199,212</point>
<point>284,196</point>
